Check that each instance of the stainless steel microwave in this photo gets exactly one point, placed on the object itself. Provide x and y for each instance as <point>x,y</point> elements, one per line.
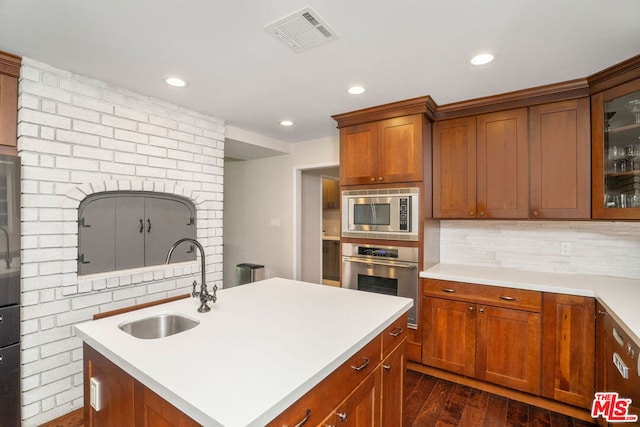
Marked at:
<point>389,213</point>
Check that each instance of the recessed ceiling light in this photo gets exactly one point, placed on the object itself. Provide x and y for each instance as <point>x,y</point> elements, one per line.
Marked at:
<point>175,81</point>
<point>286,123</point>
<point>483,58</point>
<point>356,90</point>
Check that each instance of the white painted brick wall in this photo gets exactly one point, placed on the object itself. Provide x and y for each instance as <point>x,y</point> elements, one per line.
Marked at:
<point>597,247</point>
<point>78,136</point>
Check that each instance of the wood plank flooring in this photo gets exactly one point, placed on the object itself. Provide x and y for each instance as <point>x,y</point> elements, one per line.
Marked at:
<point>431,401</point>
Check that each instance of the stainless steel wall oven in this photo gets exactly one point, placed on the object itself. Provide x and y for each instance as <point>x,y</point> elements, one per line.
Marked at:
<point>391,270</point>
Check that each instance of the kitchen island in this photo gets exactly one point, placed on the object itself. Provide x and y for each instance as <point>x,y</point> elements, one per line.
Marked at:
<point>260,349</point>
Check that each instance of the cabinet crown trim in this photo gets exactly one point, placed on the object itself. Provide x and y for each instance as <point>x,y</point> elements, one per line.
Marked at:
<point>10,64</point>
<point>422,105</point>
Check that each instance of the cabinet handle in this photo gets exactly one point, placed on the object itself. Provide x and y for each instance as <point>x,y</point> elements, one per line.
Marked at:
<point>1,318</point>
<point>364,365</point>
<point>396,332</point>
<point>373,179</point>
<point>305,419</point>
<point>387,367</point>
<point>472,213</point>
<point>470,309</point>
<point>141,226</point>
<point>379,178</point>
<point>481,310</point>
<point>449,290</point>
<point>602,312</point>
<point>507,298</point>
<point>343,416</point>
<point>536,213</point>
<point>148,225</point>
<point>481,213</point>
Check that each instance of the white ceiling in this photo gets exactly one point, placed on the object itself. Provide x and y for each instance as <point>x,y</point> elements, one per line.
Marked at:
<point>396,49</point>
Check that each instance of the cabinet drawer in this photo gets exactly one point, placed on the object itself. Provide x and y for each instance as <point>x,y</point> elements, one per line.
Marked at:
<point>519,299</point>
<point>327,395</point>
<point>393,335</point>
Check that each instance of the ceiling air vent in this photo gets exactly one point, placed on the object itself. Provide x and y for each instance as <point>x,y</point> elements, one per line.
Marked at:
<point>302,30</point>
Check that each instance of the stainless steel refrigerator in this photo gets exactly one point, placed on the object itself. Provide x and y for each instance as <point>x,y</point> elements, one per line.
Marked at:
<point>9,291</point>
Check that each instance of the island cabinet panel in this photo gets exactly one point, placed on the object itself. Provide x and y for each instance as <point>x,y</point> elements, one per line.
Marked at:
<point>454,168</point>
<point>560,160</point>
<point>116,390</point>
<point>382,152</point>
<point>123,400</point>
<point>393,370</point>
<point>568,349</point>
<point>508,348</point>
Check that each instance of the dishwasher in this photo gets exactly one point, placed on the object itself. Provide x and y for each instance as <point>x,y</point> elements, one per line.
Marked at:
<point>621,367</point>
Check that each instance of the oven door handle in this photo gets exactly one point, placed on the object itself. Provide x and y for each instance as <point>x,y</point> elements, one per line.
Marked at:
<point>378,262</point>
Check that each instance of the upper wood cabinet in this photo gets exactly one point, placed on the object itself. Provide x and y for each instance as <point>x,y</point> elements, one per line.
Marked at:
<point>9,72</point>
<point>480,166</point>
<point>615,121</point>
<point>560,160</point>
<point>386,144</point>
<point>382,152</point>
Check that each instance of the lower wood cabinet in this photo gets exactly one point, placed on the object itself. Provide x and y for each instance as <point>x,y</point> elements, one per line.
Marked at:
<point>568,349</point>
<point>537,342</point>
<point>125,401</point>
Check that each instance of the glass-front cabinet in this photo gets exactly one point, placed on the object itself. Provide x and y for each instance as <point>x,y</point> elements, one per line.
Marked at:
<point>615,115</point>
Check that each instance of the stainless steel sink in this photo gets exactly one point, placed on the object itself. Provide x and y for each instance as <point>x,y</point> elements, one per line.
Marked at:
<point>159,326</point>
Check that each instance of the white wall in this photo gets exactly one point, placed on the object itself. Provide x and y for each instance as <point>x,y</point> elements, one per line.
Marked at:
<point>78,136</point>
<point>597,247</point>
<point>256,191</point>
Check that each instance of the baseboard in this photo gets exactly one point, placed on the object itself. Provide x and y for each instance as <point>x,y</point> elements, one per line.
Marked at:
<point>72,419</point>
<point>541,402</point>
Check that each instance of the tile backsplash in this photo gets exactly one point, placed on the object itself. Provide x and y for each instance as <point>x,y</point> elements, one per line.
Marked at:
<point>591,247</point>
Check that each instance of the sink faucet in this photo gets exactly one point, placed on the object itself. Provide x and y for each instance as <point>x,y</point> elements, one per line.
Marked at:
<point>204,295</point>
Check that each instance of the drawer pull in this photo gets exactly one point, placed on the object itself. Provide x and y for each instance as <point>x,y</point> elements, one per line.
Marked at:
<point>396,331</point>
<point>387,367</point>
<point>449,290</point>
<point>506,298</point>
<point>364,365</point>
<point>343,416</point>
<point>305,419</point>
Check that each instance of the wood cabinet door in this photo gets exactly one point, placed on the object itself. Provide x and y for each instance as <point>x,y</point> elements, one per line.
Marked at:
<point>568,349</point>
<point>8,110</point>
<point>560,160</point>
<point>508,348</point>
<point>503,166</point>
<point>400,149</point>
<point>362,407</point>
<point>454,168</point>
<point>116,390</point>
<point>359,154</point>
<point>449,335</point>
<point>153,411</point>
<point>393,374</point>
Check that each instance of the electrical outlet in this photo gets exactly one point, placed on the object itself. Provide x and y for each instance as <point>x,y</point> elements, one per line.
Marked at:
<point>565,248</point>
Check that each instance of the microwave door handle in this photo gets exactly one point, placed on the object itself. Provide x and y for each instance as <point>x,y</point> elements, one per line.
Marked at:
<point>380,262</point>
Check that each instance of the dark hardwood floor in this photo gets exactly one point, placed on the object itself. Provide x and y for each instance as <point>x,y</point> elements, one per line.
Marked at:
<point>434,402</point>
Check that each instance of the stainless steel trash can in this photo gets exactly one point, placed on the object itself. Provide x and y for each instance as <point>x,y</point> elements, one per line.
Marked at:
<point>247,273</point>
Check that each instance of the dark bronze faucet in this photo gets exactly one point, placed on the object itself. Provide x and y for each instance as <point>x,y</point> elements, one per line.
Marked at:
<point>204,295</point>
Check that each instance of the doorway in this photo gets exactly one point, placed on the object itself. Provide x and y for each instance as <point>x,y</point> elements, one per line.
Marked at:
<point>318,222</point>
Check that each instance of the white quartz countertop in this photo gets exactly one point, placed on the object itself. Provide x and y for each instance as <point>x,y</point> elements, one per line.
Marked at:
<point>620,296</point>
<point>261,347</point>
